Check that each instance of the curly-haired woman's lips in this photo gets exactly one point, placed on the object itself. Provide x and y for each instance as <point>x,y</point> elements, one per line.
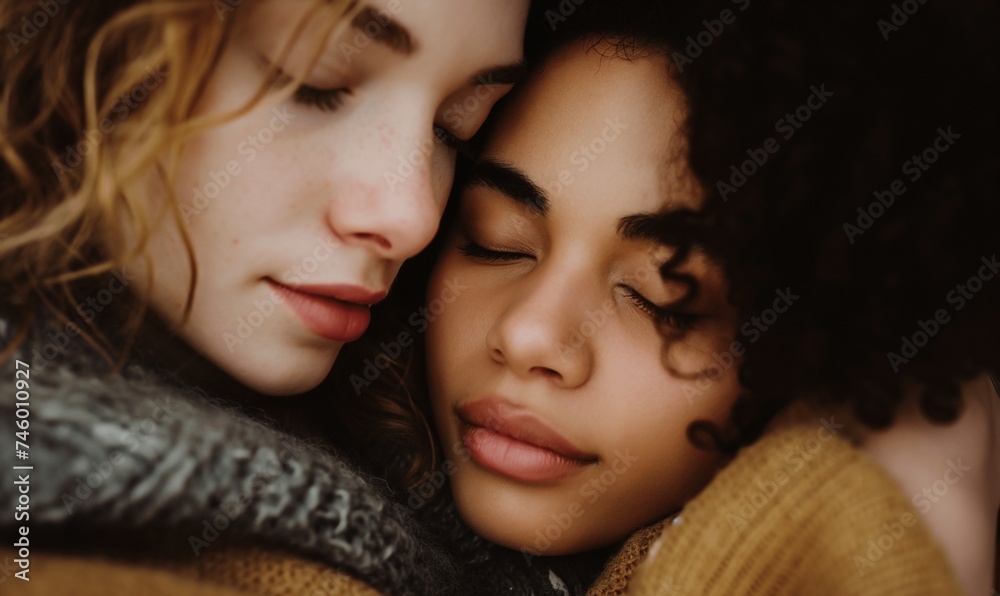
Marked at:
<point>516,443</point>
<point>336,312</point>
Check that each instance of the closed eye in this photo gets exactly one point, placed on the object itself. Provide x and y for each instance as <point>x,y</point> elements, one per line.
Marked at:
<point>481,253</point>
<point>678,320</point>
<point>445,136</point>
<point>326,100</point>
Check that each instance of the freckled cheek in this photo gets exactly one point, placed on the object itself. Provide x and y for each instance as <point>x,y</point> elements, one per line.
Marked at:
<point>385,135</point>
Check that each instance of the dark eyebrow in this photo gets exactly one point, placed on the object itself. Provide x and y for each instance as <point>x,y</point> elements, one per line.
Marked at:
<point>508,74</point>
<point>392,35</point>
<point>666,228</point>
<point>641,227</point>
<point>511,182</point>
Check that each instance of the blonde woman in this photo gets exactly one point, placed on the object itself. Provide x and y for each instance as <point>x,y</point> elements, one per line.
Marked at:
<point>205,198</point>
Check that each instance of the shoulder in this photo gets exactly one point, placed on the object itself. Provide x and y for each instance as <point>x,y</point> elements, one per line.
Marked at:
<point>801,510</point>
<point>952,473</point>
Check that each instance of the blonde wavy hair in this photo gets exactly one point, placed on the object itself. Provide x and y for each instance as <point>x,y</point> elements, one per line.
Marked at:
<point>70,144</point>
<point>65,225</point>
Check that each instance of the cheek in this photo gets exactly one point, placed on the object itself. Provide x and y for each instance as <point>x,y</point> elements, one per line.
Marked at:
<point>653,415</point>
<point>248,179</point>
<point>164,261</point>
<point>167,268</point>
<point>665,402</point>
<point>457,324</point>
<point>440,336</point>
<point>234,171</point>
<point>652,470</point>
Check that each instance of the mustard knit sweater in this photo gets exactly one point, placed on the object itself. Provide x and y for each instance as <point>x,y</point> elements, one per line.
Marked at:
<point>801,511</point>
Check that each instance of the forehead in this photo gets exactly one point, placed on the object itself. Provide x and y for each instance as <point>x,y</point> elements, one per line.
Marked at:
<point>449,35</point>
<point>590,123</point>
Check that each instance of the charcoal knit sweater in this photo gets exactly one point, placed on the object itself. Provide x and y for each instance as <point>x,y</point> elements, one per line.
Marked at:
<point>120,458</point>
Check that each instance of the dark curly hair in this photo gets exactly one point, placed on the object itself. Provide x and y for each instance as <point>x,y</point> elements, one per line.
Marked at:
<point>878,209</point>
<point>848,155</point>
<point>847,151</point>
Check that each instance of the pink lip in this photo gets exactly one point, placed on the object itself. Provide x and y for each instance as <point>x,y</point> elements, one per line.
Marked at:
<point>336,312</point>
<point>516,443</point>
<point>342,292</point>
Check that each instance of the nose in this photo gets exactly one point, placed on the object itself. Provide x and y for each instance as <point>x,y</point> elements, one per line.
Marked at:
<point>395,198</point>
<point>544,333</point>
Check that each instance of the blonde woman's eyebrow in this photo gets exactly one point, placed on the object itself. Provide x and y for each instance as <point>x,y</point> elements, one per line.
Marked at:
<point>397,37</point>
<point>388,33</point>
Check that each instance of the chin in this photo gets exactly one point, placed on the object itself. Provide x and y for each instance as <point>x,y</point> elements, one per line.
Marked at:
<point>547,538</point>
<point>288,376</point>
<point>518,524</point>
<point>281,387</point>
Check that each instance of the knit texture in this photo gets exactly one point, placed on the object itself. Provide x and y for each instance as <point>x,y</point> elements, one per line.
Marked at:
<point>149,473</point>
<point>225,572</point>
<point>801,511</point>
<point>134,455</point>
<point>619,570</point>
<point>269,573</point>
<point>60,575</point>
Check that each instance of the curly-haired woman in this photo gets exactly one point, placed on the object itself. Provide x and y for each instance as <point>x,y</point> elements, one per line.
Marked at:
<point>670,243</point>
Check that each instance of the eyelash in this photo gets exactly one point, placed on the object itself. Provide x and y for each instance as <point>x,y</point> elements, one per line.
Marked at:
<point>676,320</point>
<point>449,139</point>
<point>325,100</point>
<point>328,100</point>
<point>481,253</point>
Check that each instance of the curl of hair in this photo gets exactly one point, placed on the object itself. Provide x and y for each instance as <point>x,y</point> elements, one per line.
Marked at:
<point>867,285</point>
<point>76,143</point>
<point>63,209</point>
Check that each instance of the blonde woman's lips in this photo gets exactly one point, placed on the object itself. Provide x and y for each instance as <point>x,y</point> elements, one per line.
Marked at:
<point>335,312</point>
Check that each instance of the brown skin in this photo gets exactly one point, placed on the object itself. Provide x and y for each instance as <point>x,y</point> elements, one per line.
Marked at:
<point>520,329</point>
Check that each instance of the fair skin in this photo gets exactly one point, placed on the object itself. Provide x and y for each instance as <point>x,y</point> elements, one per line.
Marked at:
<point>302,210</point>
<point>556,449</point>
